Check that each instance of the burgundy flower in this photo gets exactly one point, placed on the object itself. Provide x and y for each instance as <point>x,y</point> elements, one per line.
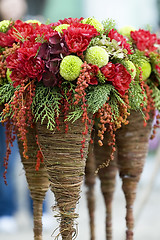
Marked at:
<point>78,37</point>
<point>6,40</point>
<point>51,53</point>
<point>113,34</point>
<point>118,75</point>
<point>144,40</point>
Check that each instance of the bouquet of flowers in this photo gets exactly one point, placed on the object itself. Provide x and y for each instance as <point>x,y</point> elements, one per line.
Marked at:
<point>62,75</point>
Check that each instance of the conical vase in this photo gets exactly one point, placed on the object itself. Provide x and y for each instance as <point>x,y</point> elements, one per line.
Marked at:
<point>132,142</point>
<point>65,165</point>
<point>38,182</point>
<point>107,176</point>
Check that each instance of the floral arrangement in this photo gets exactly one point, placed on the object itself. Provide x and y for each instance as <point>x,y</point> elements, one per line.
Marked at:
<point>78,68</point>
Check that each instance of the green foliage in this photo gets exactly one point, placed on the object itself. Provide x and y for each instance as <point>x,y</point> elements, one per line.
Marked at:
<point>136,96</point>
<point>115,101</point>
<point>46,105</point>
<point>137,57</point>
<point>97,96</point>
<point>108,24</point>
<point>75,114</point>
<point>155,95</point>
<point>6,93</point>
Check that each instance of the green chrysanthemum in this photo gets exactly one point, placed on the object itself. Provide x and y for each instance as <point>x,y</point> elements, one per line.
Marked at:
<point>94,22</point>
<point>70,67</point>
<point>131,68</point>
<point>61,27</point>
<point>33,21</point>
<point>146,70</point>
<point>4,25</point>
<point>126,30</point>
<point>8,73</point>
<point>97,56</point>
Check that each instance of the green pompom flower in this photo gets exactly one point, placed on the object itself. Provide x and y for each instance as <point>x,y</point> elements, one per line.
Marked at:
<point>61,27</point>
<point>94,22</point>
<point>70,67</point>
<point>8,73</point>
<point>146,70</point>
<point>33,21</point>
<point>97,56</point>
<point>126,30</point>
<point>131,68</point>
<point>4,25</point>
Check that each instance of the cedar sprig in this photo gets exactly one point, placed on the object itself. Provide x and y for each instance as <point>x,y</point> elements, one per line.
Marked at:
<point>6,93</point>
<point>98,96</point>
<point>45,105</point>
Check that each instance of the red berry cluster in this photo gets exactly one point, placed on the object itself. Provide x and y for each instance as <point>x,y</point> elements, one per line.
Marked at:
<point>80,96</point>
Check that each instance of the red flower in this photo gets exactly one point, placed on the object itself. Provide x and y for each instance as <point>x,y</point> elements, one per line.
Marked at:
<point>24,29</point>
<point>144,40</point>
<point>68,21</point>
<point>118,75</point>
<point>6,40</point>
<point>24,64</point>
<point>78,37</point>
<point>93,71</point>
<point>113,34</point>
<point>157,67</point>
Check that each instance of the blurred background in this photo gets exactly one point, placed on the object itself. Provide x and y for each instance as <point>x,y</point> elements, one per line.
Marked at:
<point>17,223</point>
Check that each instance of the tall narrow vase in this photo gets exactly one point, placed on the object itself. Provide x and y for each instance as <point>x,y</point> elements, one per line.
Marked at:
<point>107,176</point>
<point>38,182</point>
<point>66,169</point>
<point>132,143</point>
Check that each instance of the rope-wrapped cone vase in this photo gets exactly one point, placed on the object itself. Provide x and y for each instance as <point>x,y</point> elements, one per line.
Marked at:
<point>90,179</point>
<point>38,182</point>
<point>66,169</point>
<point>107,176</point>
<point>132,143</point>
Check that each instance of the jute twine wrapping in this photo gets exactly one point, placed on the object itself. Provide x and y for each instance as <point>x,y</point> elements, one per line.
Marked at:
<point>66,169</point>
<point>132,143</point>
<point>38,182</point>
<point>107,176</point>
<point>90,183</point>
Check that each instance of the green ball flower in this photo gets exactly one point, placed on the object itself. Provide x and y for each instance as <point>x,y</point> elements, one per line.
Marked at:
<point>8,73</point>
<point>126,30</point>
<point>4,25</point>
<point>70,67</point>
<point>146,70</point>
<point>33,21</point>
<point>97,56</point>
<point>94,22</point>
<point>61,27</point>
<point>131,68</point>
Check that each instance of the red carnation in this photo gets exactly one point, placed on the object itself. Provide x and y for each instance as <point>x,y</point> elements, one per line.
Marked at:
<point>6,40</point>
<point>144,40</point>
<point>68,21</point>
<point>22,29</point>
<point>118,75</point>
<point>113,34</point>
<point>78,37</point>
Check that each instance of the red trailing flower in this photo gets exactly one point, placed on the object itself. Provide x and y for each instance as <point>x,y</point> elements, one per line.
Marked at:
<point>6,40</point>
<point>144,40</point>
<point>113,34</point>
<point>78,37</point>
<point>118,75</point>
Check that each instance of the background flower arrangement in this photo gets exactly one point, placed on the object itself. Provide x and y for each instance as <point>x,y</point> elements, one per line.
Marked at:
<point>78,69</point>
